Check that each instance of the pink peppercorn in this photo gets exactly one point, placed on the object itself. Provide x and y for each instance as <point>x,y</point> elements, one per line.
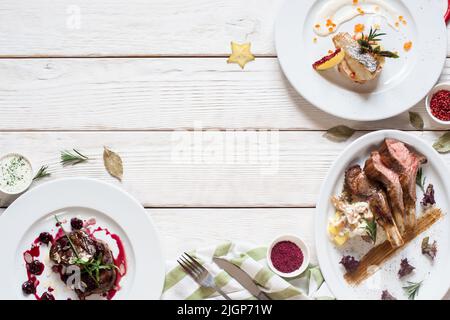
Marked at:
<point>286,256</point>
<point>440,105</point>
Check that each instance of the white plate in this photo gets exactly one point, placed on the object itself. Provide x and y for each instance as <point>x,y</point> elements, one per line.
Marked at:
<point>435,277</point>
<point>114,209</point>
<point>402,83</point>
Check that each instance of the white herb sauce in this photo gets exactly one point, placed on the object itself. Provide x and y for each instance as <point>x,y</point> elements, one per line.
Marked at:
<point>341,11</point>
<point>15,173</point>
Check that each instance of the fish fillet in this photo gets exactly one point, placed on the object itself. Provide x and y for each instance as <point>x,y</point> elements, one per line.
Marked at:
<point>359,67</point>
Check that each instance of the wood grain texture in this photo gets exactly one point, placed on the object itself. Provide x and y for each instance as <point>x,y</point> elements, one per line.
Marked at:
<point>135,27</point>
<point>191,169</point>
<point>162,94</point>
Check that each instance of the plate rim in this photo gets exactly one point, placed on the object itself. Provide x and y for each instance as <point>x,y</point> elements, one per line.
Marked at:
<point>324,105</point>
<point>126,200</point>
<point>323,198</point>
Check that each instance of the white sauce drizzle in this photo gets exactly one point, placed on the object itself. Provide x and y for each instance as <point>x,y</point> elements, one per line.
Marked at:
<point>15,174</point>
<point>341,11</point>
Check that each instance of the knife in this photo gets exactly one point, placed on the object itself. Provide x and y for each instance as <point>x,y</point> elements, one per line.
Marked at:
<point>243,278</point>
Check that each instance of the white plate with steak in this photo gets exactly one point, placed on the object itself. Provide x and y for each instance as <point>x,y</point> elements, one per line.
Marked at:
<point>79,238</point>
<point>381,224</point>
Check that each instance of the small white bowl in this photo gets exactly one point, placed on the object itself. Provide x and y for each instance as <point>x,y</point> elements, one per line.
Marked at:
<point>5,193</point>
<point>303,247</point>
<point>438,87</point>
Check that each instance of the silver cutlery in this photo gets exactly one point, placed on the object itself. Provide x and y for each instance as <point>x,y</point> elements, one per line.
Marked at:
<point>199,273</point>
<point>242,277</point>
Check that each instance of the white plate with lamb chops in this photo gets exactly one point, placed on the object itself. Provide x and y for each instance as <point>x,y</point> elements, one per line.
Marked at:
<point>78,224</point>
<point>379,174</point>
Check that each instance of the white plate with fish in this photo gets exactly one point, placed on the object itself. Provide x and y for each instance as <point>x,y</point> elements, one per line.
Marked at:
<point>378,173</point>
<point>62,227</point>
<point>365,80</point>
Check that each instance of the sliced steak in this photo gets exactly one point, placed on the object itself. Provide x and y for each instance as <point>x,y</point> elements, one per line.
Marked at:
<point>376,170</point>
<point>406,163</point>
<point>89,249</point>
<point>358,185</point>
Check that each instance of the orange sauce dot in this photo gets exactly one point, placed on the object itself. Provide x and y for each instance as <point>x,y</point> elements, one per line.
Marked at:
<point>407,46</point>
<point>359,28</point>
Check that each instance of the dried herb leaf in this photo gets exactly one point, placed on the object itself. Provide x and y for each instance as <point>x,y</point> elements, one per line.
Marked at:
<point>416,120</point>
<point>443,143</point>
<point>113,163</point>
<point>339,133</point>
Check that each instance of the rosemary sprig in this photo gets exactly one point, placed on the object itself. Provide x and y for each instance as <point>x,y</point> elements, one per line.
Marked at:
<point>369,44</point>
<point>42,173</point>
<point>371,229</point>
<point>72,157</point>
<point>412,289</point>
<point>420,179</point>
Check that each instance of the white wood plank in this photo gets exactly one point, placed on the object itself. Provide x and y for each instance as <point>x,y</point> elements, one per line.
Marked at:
<point>155,94</point>
<point>287,171</point>
<point>135,27</point>
<point>185,229</point>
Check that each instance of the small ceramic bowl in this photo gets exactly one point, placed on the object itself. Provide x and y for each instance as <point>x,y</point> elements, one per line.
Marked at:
<point>440,86</point>
<point>5,193</point>
<point>303,247</point>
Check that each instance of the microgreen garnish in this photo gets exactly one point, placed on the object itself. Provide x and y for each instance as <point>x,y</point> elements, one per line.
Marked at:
<point>72,157</point>
<point>370,44</point>
<point>371,229</point>
<point>412,289</point>
<point>42,173</point>
<point>92,266</point>
<point>420,180</point>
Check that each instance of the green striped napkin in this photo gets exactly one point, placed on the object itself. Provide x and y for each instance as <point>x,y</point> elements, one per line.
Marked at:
<point>251,259</point>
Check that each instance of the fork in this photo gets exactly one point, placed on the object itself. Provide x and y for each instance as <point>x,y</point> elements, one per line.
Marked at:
<point>199,273</point>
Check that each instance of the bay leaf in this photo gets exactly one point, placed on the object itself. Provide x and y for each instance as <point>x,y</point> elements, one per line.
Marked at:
<point>113,163</point>
<point>442,145</point>
<point>416,120</point>
<point>339,133</point>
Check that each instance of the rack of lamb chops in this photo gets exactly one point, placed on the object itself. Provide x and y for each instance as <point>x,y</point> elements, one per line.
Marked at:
<point>388,184</point>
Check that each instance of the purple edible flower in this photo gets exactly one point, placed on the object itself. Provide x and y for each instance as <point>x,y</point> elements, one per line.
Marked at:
<point>405,268</point>
<point>428,197</point>
<point>385,295</point>
<point>350,263</point>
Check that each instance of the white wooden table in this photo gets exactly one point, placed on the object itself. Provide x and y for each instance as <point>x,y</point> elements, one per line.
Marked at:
<point>127,74</point>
